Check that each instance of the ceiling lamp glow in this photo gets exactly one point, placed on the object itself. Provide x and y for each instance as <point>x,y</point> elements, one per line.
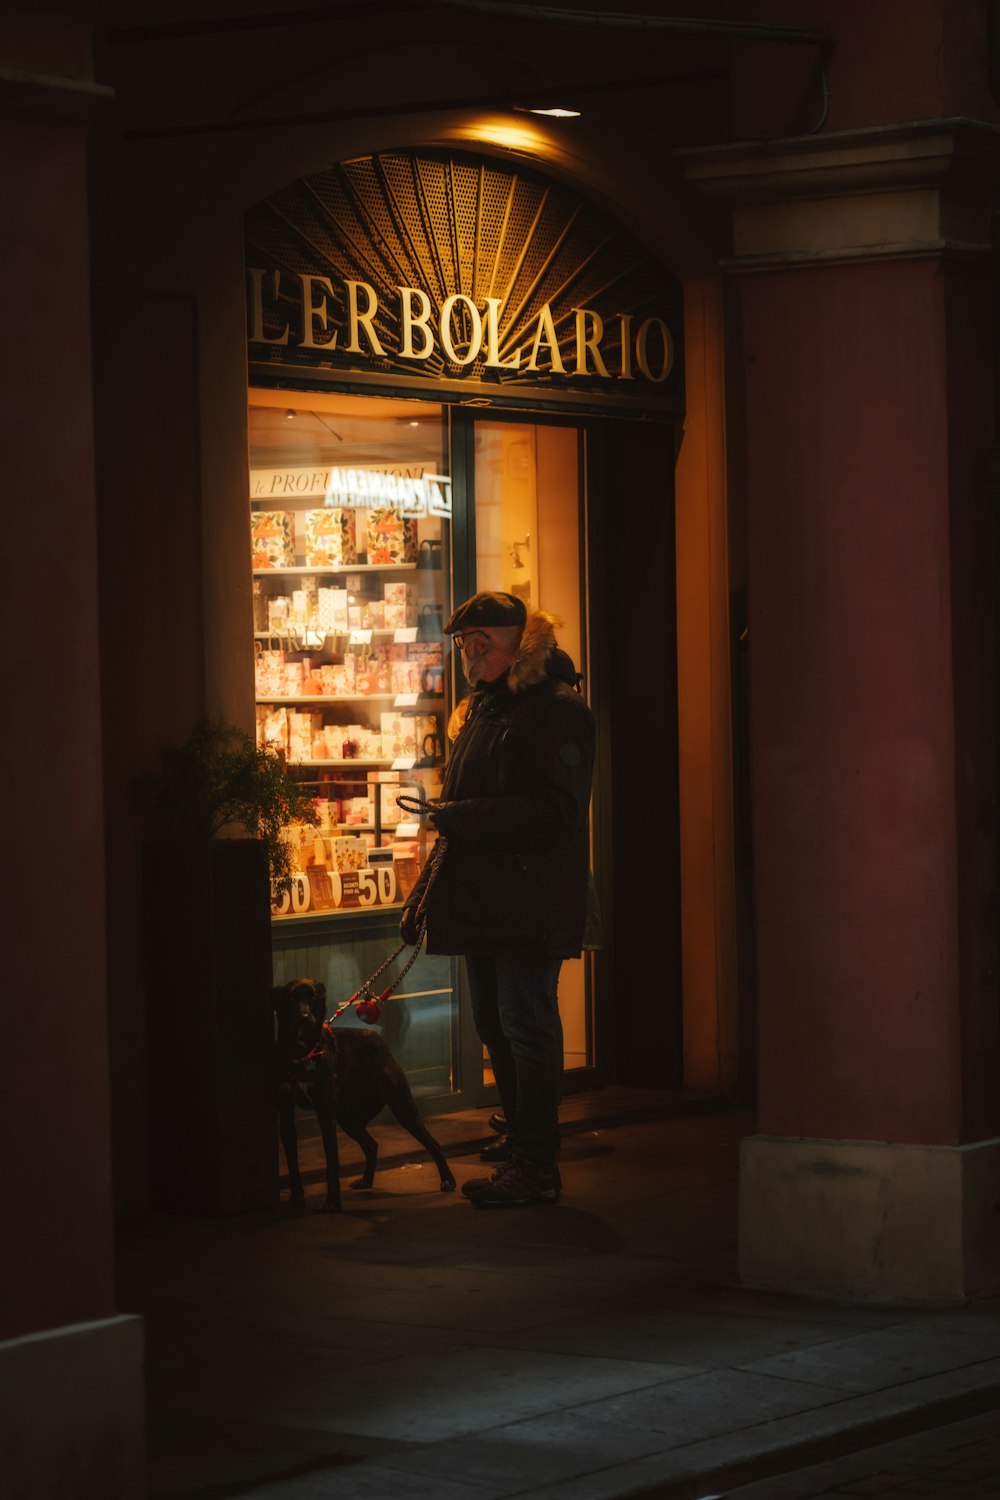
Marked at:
<point>554,111</point>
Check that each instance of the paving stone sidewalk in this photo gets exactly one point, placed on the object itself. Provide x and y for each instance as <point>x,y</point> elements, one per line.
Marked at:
<point>602,1347</point>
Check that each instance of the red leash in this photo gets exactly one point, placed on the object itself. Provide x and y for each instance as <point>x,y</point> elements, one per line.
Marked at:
<point>366,1003</point>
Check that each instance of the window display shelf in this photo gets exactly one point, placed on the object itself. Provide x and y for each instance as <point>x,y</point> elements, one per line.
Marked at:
<point>397,763</point>
<point>312,639</point>
<point>399,700</point>
<point>338,698</point>
<point>315,571</point>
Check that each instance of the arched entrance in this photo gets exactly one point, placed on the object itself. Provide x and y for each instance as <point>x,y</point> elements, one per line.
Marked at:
<point>537,348</point>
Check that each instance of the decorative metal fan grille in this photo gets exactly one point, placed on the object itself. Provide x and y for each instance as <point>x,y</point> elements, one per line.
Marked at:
<point>449,223</point>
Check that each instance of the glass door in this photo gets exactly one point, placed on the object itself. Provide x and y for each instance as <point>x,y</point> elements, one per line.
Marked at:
<point>527,537</point>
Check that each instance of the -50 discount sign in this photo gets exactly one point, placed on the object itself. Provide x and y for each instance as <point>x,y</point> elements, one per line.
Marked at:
<point>329,890</point>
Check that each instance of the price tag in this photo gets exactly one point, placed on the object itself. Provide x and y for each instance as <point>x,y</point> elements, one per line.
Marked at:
<point>404,634</point>
<point>405,700</point>
<point>330,890</point>
<point>403,763</point>
<point>361,637</point>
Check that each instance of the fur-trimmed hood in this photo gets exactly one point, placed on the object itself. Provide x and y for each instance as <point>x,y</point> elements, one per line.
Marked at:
<point>537,639</point>
<point>530,665</point>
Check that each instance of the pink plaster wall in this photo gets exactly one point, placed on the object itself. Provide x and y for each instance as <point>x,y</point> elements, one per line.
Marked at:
<point>852,485</point>
<point>891,60</point>
<point>54,1167</point>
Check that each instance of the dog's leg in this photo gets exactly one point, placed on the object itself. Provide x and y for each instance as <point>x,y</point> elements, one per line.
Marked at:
<point>369,1147</point>
<point>328,1129</point>
<point>290,1144</point>
<point>403,1105</point>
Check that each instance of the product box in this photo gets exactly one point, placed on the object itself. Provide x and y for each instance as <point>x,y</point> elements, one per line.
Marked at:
<point>318,852</point>
<point>272,538</point>
<point>399,616</point>
<point>272,728</point>
<point>332,610</point>
<point>269,669</point>
<point>391,812</point>
<point>301,728</point>
<point>399,735</point>
<point>400,593</point>
<point>331,540</point>
<point>260,610</point>
<point>350,737</point>
<point>369,745</point>
<point>279,614</point>
<point>392,538</point>
<point>373,677</point>
<point>328,811</point>
<point>348,853</point>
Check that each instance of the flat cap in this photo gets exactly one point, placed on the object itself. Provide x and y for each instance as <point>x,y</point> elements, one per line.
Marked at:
<point>487,609</point>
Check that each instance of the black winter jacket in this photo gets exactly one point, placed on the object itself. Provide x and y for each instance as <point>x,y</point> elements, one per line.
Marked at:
<point>513,878</point>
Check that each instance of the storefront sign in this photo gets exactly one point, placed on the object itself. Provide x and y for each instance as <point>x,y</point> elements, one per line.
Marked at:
<point>412,494</point>
<point>325,318</point>
<point>470,277</point>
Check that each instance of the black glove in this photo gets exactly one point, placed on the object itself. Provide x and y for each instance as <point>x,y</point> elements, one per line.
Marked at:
<point>408,929</point>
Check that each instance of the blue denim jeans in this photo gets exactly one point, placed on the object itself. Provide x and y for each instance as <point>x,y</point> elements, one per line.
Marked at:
<point>517,1018</point>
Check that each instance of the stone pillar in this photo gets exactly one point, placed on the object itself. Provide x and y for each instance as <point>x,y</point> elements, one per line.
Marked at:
<point>70,1369</point>
<point>864,276</point>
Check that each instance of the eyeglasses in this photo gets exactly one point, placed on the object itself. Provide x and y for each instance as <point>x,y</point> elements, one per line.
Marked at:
<point>460,637</point>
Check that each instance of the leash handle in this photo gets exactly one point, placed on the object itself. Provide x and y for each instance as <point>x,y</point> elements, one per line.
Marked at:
<point>418,807</point>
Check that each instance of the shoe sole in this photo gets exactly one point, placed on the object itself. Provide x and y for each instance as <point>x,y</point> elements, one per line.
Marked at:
<point>481,1200</point>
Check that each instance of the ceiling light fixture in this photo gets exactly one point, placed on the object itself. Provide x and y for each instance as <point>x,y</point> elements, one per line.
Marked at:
<point>553,111</point>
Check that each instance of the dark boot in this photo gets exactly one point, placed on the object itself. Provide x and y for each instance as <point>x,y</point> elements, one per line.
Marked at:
<point>522,1184</point>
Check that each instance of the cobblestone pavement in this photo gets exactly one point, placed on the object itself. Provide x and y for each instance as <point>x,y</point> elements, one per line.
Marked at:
<point>956,1462</point>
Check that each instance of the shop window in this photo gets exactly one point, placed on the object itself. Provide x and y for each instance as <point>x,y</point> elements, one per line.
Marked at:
<point>350,537</point>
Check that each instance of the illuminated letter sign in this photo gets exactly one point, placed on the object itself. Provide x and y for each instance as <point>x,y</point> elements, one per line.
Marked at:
<point>470,276</point>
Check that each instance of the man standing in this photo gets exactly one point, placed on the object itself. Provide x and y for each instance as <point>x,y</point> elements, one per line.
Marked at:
<point>509,890</point>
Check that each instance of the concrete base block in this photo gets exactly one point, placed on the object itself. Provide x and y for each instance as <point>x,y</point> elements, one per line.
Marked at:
<point>870,1218</point>
<point>71,1417</point>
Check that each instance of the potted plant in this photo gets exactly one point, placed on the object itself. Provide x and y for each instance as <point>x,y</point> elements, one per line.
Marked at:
<point>215,805</point>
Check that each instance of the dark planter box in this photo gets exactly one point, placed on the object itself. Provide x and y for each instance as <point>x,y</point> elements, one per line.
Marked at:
<point>210,1031</point>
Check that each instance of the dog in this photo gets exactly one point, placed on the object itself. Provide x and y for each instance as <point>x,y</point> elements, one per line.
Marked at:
<point>346,1076</point>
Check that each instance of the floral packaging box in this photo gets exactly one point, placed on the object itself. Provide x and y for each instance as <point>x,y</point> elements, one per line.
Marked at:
<point>392,538</point>
<point>331,540</point>
<point>348,854</point>
<point>399,735</point>
<point>272,538</point>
